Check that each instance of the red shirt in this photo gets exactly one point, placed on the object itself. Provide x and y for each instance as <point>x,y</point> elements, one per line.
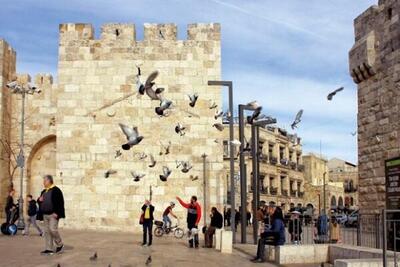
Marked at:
<point>167,211</point>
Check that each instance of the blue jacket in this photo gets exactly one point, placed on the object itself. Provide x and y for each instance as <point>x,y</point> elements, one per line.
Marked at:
<point>278,226</point>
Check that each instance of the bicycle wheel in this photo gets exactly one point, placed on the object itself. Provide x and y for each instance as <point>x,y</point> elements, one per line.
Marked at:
<point>158,231</point>
<point>179,233</point>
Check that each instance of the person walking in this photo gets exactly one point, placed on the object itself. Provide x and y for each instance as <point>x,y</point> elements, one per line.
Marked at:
<point>334,230</point>
<point>10,206</point>
<point>148,217</point>
<point>216,223</point>
<point>32,212</point>
<point>52,206</point>
<point>166,218</point>
<point>193,218</point>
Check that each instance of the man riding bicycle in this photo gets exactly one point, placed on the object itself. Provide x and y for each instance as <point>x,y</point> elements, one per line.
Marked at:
<point>168,211</point>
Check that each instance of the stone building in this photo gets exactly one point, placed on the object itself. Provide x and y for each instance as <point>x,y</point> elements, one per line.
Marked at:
<point>315,169</point>
<point>374,66</point>
<point>72,127</point>
<point>345,172</point>
<point>281,170</point>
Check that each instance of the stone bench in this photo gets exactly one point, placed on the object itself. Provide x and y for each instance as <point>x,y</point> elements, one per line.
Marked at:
<point>226,242</point>
<point>218,239</point>
<point>362,263</point>
<point>292,254</point>
<point>353,252</point>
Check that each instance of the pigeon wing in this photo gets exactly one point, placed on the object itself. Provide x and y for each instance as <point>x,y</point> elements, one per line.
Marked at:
<point>151,78</point>
<point>298,116</point>
<point>129,132</point>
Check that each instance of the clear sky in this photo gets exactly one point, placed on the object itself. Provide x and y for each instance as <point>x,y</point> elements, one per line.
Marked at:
<point>287,54</point>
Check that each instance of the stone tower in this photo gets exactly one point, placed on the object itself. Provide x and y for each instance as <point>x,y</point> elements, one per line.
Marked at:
<point>96,90</point>
<point>375,67</point>
<point>7,73</point>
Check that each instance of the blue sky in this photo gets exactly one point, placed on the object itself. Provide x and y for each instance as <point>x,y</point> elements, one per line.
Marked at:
<point>287,54</point>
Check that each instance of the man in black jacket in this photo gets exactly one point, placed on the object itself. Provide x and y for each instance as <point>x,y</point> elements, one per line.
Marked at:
<point>32,211</point>
<point>216,223</point>
<point>147,220</point>
<point>9,205</point>
<point>52,206</point>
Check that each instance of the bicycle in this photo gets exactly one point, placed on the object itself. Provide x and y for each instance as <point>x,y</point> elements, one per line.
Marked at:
<point>160,230</point>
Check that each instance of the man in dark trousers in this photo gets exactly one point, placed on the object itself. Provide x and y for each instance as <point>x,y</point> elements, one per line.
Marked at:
<point>193,218</point>
<point>52,206</point>
<point>9,205</point>
<point>216,223</point>
<point>148,217</point>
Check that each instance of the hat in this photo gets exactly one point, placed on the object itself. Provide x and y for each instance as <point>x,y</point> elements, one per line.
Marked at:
<point>296,212</point>
<point>172,203</point>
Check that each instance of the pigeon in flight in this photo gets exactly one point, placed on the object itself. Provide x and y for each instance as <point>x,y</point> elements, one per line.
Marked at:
<point>297,120</point>
<point>132,136</point>
<point>186,166</point>
<point>118,154</point>
<point>166,174</point>
<point>94,257</point>
<point>378,138</point>
<point>194,178</point>
<point>178,163</point>
<point>109,172</point>
<point>218,113</point>
<point>353,133</point>
<point>152,161</point>
<point>166,148</point>
<point>213,105</point>
<point>255,115</point>
<point>330,96</point>
<point>180,129</point>
<point>164,105</point>
<point>148,261</point>
<point>137,176</point>
<point>161,34</point>
<point>139,85</point>
<point>253,104</point>
<point>142,156</point>
<point>236,142</point>
<point>219,126</point>
<point>148,87</point>
<point>193,99</point>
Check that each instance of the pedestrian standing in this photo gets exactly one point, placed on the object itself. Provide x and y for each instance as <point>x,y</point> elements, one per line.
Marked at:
<point>32,212</point>
<point>334,230</point>
<point>52,206</point>
<point>10,206</point>
<point>193,219</point>
<point>295,228</point>
<point>148,217</point>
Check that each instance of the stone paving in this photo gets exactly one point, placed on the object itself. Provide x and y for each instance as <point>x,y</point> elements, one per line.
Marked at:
<point>115,248</point>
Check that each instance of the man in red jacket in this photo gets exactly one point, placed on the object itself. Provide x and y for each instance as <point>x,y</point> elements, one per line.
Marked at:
<point>193,218</point>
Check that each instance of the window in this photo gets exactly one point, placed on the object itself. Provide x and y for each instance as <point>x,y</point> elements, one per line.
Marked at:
<point>227,149</point>
<point>117,32</point>
<point>389,13</point>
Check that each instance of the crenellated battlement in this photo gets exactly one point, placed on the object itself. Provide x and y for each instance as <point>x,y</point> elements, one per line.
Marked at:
<point>71,34</point>
<point>6,51</point>
<point>43,79</point>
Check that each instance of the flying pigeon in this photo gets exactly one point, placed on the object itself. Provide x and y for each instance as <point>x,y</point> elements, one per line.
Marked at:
<point>152,161</point>
<point>148,87</point>
<point>118,153</point>
<point>161,34</point>
<point>109,172</point>
<point>142,156</point>
<point>219,126</point>
<point>193,99</point>
<point>180,129</point>
<point>139,85</point>
<point>218,114</point>
<point>213,105</point>
<point>353,133</point>
<point>236,142</point>
<point>166,148</point>
<point>297,120</point>
<point>94,257</point>
<point>148,261</point>
<point>253,104</point>
<point>178,163</point>
<point>166,174</point>
<point>164,105</point>
<point>255,115</point>
<point>330,96</point>
<point>137,176</point>
<point>132,136</point>
<point>186,166</point>
<point>216,141</point>
<point>194,178</point>
<point>378,138</point>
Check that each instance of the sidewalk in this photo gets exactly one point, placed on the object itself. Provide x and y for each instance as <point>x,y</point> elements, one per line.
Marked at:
<point>115,248</point>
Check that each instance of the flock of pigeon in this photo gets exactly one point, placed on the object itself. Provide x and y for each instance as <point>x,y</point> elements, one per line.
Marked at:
<point>133,137</point>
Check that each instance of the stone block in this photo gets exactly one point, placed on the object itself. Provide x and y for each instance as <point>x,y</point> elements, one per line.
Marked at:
<point>226,242</point>
<point>218,238</point>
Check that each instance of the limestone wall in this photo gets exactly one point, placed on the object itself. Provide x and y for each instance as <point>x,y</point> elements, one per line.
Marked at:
<point>374,67</point>
<point>98,72</point>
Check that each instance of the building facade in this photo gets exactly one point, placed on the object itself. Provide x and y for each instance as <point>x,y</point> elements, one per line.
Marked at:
<point>281,169</point>
<point>374,65</point>
<point>72,129</point>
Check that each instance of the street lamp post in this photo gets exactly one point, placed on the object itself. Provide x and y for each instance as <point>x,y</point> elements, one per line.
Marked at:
<point>324,192</point>
<point>204,156</point>
<point>22,89</point>
<point>231,152</point>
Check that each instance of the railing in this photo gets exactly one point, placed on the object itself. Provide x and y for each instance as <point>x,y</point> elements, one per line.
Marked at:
<point>273,191</point>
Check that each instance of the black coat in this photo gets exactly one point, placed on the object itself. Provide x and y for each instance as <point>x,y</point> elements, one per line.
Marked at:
<point>32,208</point>
<point>9,203</point>
<point>57,199</point>
<point>217,220</point>
<point>151,211</point>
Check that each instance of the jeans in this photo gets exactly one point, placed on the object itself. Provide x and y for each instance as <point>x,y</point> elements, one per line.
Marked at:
<point>8,216</point>
<point>51,234</point>
<point>147,229</point>
<point>167,221</point>
<point>29,221</point>
<point>193,238</point>
<point>261,249</point>
<point>208,236</point>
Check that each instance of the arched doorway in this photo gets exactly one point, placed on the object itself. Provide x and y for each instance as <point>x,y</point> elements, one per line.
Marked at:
<point>340,202</point>
<point>333,202</point>
<point>41,161</point>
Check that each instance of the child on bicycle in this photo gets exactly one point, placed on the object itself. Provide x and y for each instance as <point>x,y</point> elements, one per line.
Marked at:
<point>167,212</point>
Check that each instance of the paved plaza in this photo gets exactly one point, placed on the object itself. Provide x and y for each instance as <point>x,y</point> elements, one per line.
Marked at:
<point>115,248</point>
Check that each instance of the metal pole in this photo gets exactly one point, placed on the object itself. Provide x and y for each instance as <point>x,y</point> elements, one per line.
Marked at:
<point>204,156</point>
<point>384,245</point>
<point>258,168</point>
<point>254,152</point>
<point>324,189</point>
<point>243,181</point>
<point>21,221</point>
<point>232,161</point>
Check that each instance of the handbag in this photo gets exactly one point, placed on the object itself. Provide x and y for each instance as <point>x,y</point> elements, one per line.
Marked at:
<point>141,219</point>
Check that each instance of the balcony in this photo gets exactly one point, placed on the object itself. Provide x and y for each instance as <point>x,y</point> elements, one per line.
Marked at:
<point>293,165</point>
<point>264,190</point>
<point>350,189</point>
<point>284,162</point>
<point>273,191</point>
<point>273,160</point>
<point>264,158</point>
<point>300,167</point>
<point>285,193</point>
<point>293,193</point>
<point>301,194</point>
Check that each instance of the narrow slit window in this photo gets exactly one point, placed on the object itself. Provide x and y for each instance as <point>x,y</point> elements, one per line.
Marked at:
<point>390,13</point>
<point>117,32</point>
